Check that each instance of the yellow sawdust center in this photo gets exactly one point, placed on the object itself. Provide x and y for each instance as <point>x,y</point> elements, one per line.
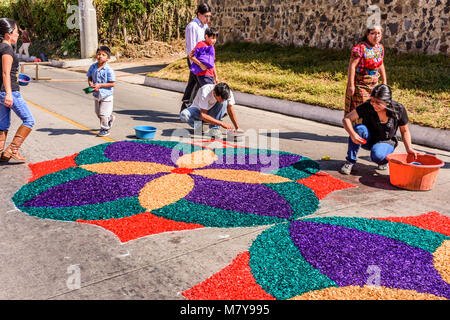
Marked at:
<point>441,260</point>
<point>165,190</point>
<point>197,159</point>
<point>127,167</point>
<point>243,176</point>
<point>365,293</point>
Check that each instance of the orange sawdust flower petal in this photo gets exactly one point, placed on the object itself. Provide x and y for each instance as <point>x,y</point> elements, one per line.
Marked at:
<point>234,282</point>
<point>365,293</point>
<point>433,221</point>
<point>441,260</point>
<point>165,190</point>
<point>127,167</point>
<point>243,176</point>
<point>196,159</point>
<point>323,184</point>
<point>141,225</point>
<point>46,167</point>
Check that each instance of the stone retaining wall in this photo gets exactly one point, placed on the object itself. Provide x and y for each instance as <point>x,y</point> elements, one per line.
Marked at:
<point>409,25</point>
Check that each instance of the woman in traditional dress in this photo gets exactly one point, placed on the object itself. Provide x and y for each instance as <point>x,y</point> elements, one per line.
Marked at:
<point>365,68</point>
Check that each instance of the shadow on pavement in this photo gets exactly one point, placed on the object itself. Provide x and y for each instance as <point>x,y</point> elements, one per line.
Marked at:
<point>170,132</point>
<point>150,115</point>
<point>379,181</point>
<point>299,136</point>
<point>58,132</point>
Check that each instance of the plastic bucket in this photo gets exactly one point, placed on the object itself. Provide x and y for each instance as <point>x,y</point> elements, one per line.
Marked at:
<point>145,132</point>
<point>413,174</point>
<point>24,80</point>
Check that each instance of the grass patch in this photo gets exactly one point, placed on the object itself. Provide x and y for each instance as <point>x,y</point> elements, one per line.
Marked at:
<point>319,77</point>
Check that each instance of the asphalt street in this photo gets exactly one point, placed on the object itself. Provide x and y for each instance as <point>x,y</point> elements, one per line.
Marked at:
<point>38,255</point>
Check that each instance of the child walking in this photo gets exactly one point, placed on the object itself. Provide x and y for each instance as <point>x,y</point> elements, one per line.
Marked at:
<point>102,78</point>
<point>203,57</point>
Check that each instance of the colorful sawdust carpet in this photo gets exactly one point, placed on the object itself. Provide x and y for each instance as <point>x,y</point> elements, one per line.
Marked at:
<point>138,188</point>
<point>340,258</point>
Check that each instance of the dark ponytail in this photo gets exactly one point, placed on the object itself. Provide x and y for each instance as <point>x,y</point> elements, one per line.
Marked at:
<point>6,26</point>
<point>384,93</point>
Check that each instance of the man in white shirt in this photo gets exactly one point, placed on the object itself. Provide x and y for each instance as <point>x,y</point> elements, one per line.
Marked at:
<point>194,33</point>
<point>209,106</point>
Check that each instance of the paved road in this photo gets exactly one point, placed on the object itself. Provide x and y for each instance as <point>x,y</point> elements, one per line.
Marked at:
<point>38,256</point>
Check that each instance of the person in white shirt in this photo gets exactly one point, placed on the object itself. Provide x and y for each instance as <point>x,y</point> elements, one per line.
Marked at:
<point>209,105</point>
<point>194,33</point>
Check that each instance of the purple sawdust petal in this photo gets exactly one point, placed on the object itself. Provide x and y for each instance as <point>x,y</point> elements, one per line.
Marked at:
<point>97,188</point>
<point>242,197</point>
<point>133,151</point>
<point>254,162</point>
<point>350,257</point>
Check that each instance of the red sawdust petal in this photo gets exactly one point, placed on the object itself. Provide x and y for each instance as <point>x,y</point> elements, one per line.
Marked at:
<point>323,184</point>
<point>141,225</point>
<point>433,221</point>
<point>204,144</point>
<point>46,167</point>
<point>234,282</point>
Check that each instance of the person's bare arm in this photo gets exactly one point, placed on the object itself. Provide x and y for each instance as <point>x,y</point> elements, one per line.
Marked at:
<point>7,62</point>
<point>406,138</point>
<point>207,118</point>
<point>348,126</point>
<point>196,61</point>
<point>382,71</point>
<point>232,115</point>
<point>351,75</point>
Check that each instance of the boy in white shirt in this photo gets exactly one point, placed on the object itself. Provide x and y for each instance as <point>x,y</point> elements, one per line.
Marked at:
<point>210,105</point>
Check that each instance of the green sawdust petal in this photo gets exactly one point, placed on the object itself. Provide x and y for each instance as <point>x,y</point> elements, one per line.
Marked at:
<point>93,155</point>
<point>302,169</point>
<point>406,233</point>
<point>280,269</point>
<point>190,212</point>
<point>117,209</point>
<point>303,200</point>
<point>34,188</point>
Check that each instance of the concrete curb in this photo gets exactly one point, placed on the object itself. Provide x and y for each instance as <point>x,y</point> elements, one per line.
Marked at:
<point>426,136</point>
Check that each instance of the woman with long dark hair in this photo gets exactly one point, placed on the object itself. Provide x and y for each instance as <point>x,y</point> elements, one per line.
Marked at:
<point>10,97</point>
<point>365,69</point>
<point>381,117</point>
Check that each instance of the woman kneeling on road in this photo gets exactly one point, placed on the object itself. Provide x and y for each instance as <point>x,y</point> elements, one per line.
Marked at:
<point>381,117</point>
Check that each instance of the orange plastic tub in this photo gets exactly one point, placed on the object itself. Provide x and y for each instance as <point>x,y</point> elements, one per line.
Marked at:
<point>418,175</point>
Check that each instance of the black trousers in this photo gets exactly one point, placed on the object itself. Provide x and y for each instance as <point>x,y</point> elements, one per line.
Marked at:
<point>191,88</point>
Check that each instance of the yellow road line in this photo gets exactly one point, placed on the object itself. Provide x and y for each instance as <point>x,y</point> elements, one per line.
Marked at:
<point>76,124</point>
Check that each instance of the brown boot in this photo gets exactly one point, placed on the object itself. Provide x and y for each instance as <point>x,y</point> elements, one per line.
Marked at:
<point>3,139</point>
<point>3,134</point>
<point>12,151</point>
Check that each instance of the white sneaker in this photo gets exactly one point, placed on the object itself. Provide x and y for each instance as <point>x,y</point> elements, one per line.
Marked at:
<point>103,133</point>
<point>347,168</point>
<point>383,167</point>
<point>214,132</point>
